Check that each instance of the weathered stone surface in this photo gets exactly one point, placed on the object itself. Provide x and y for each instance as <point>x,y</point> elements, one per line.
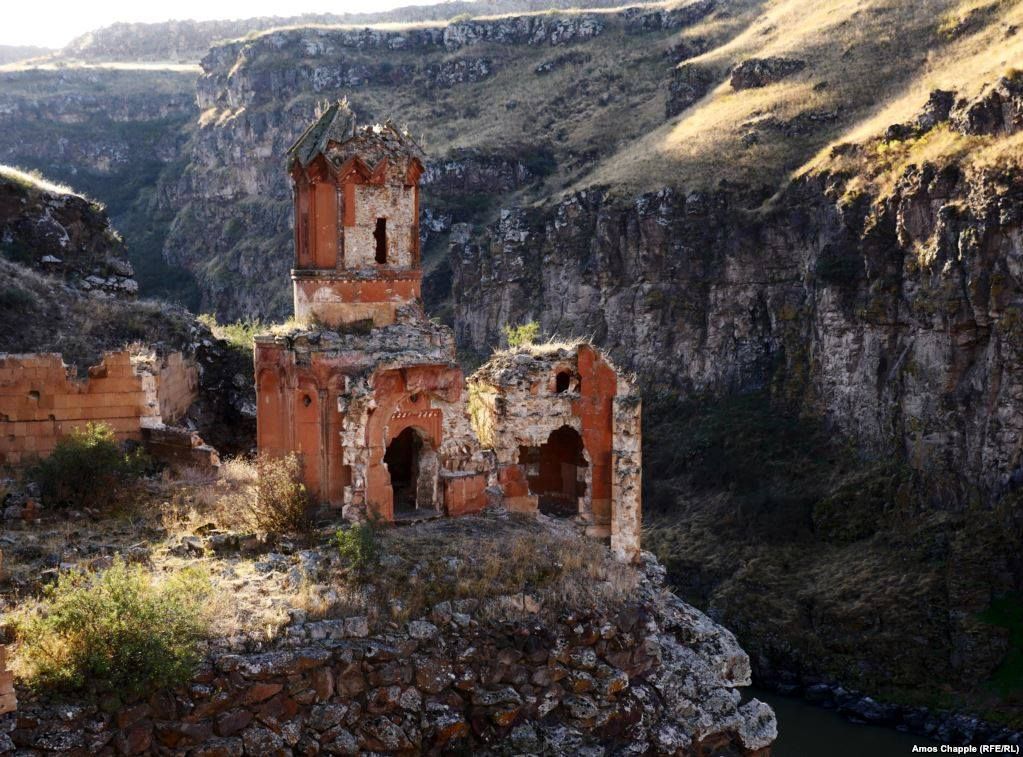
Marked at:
<point>759,72</point>
<point>507,683</point>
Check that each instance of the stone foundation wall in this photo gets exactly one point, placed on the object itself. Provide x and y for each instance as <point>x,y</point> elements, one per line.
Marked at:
<point>655,675</point>
<point>40,401</point>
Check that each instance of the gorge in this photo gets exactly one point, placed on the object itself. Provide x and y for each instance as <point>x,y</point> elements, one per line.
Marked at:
<point>800,224</point>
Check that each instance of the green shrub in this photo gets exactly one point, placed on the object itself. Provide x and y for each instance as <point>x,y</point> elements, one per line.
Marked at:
<point>120,631</point>
<point>16,298</point>
<point>88,468</point>
<point>240,334</point>
<point>523,335</point>
<point>282,502</point>
<point>359,546</point>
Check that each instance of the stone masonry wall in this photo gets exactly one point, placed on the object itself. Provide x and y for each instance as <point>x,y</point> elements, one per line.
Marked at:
<point>655,675</point>
<point>8,701</point>
<point>40,402</point>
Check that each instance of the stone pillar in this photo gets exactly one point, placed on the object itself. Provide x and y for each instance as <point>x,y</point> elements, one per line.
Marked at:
<point>627,474</point>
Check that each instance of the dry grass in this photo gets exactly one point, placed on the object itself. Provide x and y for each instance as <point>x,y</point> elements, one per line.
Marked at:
<point>33,180</point>
<point>503,562</point>
<point>870,63</point>
<point>966,64</point>
<point>203,496</point>
<point>506,563</point>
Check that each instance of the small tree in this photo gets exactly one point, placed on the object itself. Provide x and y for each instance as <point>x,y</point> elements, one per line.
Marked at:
<point>87,468</point>
<point>522,335</point>
<point>359,546</point>
<point>282,503</point>
<point>118,631</point>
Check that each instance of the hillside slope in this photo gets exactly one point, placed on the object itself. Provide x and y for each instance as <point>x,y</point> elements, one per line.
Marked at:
<point>110,132</point>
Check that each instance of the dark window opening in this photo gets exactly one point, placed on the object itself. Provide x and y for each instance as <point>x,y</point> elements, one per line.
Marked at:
<point>562,382</point>
<point>412,465</point>
<point>307,400</point>
<point>380,235</point>
<point>555,472</point>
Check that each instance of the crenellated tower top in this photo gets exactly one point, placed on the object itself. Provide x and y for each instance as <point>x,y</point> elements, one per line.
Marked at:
<point>356,191</point>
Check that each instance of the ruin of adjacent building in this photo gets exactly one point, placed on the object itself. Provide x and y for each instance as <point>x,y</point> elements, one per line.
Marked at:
<point>368,392</point>
<point>137,392</point>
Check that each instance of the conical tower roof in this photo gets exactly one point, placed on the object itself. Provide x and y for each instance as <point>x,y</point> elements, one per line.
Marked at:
<point>335,124</point>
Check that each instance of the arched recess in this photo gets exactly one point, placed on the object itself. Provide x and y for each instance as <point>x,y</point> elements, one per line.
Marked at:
<point>271,432</point>
<point>555,472</point>
<point>309,433</point>
<point>413,466</point>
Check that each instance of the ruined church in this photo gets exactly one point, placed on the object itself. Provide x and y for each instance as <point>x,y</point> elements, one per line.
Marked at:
<point>366,389</point>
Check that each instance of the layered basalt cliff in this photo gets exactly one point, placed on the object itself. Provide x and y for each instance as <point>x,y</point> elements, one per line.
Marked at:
<point>896,316</point>
<point>875,309</point>
<point>897,319</point>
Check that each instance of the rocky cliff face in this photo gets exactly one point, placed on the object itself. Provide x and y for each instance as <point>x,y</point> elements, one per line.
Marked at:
<point>188,41</point>
<point>110,133</point>
<point>895,316</point>
<point>487,83</point>
<point>885,301</point>
<point>52,230</point>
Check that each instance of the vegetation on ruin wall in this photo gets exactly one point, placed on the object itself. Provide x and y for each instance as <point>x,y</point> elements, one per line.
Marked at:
<point>826,562</point>
<point>89,468</point>
<point>121,632</point>
<point>239,334</point>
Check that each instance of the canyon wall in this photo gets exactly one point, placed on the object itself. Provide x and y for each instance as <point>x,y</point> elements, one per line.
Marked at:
<point>898,318</point>
<point>232,204</point>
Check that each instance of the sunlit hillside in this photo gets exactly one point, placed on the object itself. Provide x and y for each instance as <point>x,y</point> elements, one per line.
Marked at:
<point>869,63</point>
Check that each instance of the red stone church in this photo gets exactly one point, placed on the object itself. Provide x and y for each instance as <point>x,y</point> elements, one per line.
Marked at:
<point>367,390</point>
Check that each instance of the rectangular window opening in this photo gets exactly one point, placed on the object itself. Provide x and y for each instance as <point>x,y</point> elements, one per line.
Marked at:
<point>380,235</point>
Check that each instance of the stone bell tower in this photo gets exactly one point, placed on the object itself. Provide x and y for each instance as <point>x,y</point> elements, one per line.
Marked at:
<point>356,192</point>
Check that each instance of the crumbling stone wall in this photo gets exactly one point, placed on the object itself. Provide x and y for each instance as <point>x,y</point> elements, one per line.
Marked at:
<point>627,473</point>
<point>338,399</point>
<point>40,401</point>
<point>357,242</point>
<point>521,398</point>
<point>396,204</point>
<point>366,370</point>
<point>654,675</point>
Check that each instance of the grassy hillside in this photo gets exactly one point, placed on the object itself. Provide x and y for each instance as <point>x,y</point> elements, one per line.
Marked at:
<point>867,65</point>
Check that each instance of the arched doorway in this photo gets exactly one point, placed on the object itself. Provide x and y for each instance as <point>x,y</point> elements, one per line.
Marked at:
<point>554,472</point>
<point>413,467</point>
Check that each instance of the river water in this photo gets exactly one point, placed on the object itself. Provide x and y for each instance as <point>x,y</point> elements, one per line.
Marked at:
<point>808,731</point>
